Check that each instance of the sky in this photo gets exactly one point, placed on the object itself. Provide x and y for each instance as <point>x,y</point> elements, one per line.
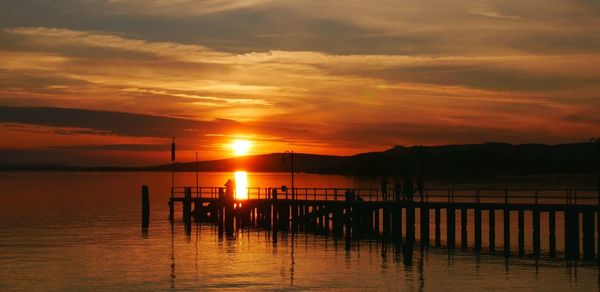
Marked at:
<point>108,82</point>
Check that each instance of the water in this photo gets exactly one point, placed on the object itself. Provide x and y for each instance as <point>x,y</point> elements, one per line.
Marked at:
<point>81,231</point>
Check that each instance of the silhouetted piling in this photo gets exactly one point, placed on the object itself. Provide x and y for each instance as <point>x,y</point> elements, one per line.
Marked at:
<point>376,216</point>
<point>521,235</point>
<point>536,233</point>
<point>477,218</point>
<point>506,231</point>
<point>397,222</point>
<point>571,233</point>
<point>410,222</point>
<point>450,227</point>
<point>187,206</point>
<point>171,210</point>
<point>386,221</point>
<point>424,225</point>
<point>145,207</point>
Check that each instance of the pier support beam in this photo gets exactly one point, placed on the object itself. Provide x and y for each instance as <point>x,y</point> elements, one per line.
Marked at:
<point>424,210</point>
<point>171,210</point>
<point>187,206</point>
<point>377,220</point>
<point>477,229</point>
<point>397,222</point>
<point>386,221</point>
<point>145,207</point>
<point>536,233</point>
<point>521,225</point>
<point>410,222</point>
<point>588,235</point>
<point>571,233</point>
<point>450,227</point>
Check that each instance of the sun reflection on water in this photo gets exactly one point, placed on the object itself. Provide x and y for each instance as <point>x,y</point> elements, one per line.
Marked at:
<point>241,185</point>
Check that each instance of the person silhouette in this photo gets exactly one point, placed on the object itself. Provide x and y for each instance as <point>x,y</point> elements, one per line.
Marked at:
<point>229,189</point>
<point>384,190</point>
<point>408,190</point>
<point>398,190</point>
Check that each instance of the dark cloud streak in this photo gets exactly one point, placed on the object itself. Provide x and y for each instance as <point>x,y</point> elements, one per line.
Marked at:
<point>123,124</point>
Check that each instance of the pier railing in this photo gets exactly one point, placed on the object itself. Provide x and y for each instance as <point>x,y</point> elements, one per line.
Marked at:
<point>458,195</point>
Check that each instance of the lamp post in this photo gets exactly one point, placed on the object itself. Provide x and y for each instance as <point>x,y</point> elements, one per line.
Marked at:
<point>596,142</point>
<point>291,153</point>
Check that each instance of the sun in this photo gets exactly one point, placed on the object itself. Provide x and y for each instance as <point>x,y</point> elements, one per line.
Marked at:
<point>240,147</point>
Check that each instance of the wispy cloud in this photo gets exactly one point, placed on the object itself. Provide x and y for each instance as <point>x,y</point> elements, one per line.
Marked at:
<point>301,74</point>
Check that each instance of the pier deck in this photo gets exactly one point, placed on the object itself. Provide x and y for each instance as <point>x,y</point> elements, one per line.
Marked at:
<point>355,213</point>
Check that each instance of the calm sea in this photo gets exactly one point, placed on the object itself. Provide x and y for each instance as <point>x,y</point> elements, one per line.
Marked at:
<point>81,231</point>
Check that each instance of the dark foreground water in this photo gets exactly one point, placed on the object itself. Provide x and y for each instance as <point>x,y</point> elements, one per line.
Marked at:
<point>81,231</point>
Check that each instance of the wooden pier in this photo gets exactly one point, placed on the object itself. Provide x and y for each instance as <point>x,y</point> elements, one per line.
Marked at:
<point>357,213</point>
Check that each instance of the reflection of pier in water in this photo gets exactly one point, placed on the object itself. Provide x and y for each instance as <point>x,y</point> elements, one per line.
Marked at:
<point>330,210</point>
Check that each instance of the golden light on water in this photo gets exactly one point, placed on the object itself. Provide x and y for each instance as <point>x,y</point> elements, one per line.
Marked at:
<point>240,147</point>
<point>241,185</point>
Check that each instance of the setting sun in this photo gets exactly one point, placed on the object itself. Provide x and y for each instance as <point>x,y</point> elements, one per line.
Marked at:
<point>240,147</point>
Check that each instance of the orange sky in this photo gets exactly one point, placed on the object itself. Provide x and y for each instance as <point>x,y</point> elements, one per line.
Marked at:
<point>108,82</point>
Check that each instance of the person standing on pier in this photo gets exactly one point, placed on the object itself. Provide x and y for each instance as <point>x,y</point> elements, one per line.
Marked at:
<point>398,190</point>
<point>384,188</point>
<point>408,190</point>
<point>229,189</point>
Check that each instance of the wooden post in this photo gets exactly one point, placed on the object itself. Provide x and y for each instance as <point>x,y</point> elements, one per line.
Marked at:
<point>410,222</point>
<point>521,232</point>
<point>187,206</point>
<point>171,210</point>
<point>477,229</point>
<point>424,225</point>
<point>438,240</point>
<point>338,222</point>
<point>571,233</point>
<point>506,231</point>
<point>450,226</point>
<point>294,206</point>
<point>377,220</point>
<point>552,231</point>
<point>588,235</point>
<point>536,233</point>
<point>367,219</point>
<point>145,207</point>
<point>397,222</point>
<point>386,220</point>
<point>492,229</point>
<point>356,218</point>
<point>275,211</point>
<point>326,208</point>
<point>463,228</point>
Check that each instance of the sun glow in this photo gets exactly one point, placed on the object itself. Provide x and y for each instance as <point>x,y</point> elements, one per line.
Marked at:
<point>240,147</point>
<point>241,185</point>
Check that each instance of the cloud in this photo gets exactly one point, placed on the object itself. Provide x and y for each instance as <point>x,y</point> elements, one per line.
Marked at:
<point>117,123</point>
<point>313,75</point>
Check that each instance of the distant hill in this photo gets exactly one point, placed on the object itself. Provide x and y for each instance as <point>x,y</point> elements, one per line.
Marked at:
<point>480,159</point>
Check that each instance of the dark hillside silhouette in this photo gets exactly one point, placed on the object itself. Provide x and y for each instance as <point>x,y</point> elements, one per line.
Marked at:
<point>480,159</point>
